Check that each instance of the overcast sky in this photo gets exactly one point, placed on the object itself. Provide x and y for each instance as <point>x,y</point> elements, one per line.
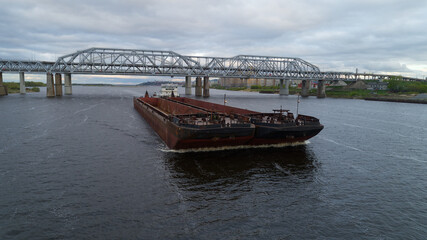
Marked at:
<point>337,35</point>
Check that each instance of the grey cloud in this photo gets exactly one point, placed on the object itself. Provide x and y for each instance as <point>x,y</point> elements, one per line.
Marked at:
<point>374,35</point>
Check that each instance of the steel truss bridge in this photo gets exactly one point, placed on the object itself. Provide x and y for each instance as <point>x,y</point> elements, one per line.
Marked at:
<point>104,61</point>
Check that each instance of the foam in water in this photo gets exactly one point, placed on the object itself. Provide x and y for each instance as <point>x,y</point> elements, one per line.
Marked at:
<point>226,148</point>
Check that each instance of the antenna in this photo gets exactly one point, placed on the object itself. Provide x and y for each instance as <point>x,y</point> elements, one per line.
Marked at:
<point>281,113</point>
<point>225,101</point>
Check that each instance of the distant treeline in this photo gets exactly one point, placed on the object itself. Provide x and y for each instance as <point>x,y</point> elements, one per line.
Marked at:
<point>27,84</point>
<point>92,84</point>
<point>158,83</point>
<point>14,87</point>
<point>217,86</point>
<point>264,87</point>
<point>397,86</point>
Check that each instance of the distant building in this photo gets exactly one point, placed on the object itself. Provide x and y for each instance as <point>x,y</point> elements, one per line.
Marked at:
<point>371,85</point>
<point>231,82</point>
<point>294,83</point>
<point>213,81</point>
<point>377,85</point>
<point>315,83</point>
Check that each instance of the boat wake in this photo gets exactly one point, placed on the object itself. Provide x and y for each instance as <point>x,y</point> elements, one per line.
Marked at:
<point>226,148</point>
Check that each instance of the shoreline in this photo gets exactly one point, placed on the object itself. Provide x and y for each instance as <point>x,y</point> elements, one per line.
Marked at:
<point>403,100</point>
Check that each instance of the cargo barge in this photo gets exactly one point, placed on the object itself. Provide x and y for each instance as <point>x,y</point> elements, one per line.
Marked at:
<point>271,128</point>
<point>185,127</point>
<point>185,123</point>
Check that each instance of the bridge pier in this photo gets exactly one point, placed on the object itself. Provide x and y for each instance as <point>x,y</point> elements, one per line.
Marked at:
<point>22,83</point>
<point>58,84</point>
<point>187,85</point>
<point>305,85</point>
<point>321,90</point>
<point>67,80</point>
<point>50,90</point>
<point>206,86</point>
<point>198,86</point>
<point>3,89</point>
<point>284,91</point>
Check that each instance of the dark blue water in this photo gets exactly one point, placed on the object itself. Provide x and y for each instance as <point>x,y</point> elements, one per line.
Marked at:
<point>87,166</point>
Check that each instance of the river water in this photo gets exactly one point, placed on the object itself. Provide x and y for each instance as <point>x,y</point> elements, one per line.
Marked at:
<point>88,166</point>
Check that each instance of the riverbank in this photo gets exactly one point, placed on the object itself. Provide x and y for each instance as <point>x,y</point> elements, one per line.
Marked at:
<point>27,90</point>
<point>339,92</point>
<point>14,87</point>
<point>332,93</point>
<point>404,100</point>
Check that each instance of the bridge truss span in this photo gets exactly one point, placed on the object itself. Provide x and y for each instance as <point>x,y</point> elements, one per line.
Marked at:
<point>105,61</point>
<point>168,63</point>
<point>247,66</point>
<point>25,66</point>
<point>124,61</point>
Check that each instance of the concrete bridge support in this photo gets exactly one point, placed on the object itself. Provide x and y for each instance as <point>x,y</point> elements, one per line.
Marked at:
<point>198,86</point>
<point>187,85</point>
<point>67,80</point>
<point>50,90</point>
<point>321,90</point>
<point>58,84</point>
<point>305,85</point>
<point>205,86</point>
<point>284,89</point>
<point>22,83</point>
<point>3,89</point>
